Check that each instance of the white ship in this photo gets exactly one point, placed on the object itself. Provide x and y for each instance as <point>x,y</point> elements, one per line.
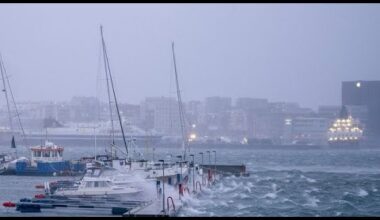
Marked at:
<point>345,130</point>
<point>102,130</point>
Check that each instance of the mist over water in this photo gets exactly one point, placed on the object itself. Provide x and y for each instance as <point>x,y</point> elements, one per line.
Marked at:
<point>283,182</point>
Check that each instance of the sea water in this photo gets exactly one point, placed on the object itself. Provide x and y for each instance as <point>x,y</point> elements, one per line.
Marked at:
<point>283,181</point>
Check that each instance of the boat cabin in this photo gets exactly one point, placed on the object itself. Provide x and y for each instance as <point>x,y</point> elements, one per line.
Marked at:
<point>47,153</point>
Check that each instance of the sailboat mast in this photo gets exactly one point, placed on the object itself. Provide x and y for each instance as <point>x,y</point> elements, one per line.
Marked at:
<point>13,100</point>
<point>6,94</point>
<point>108,87</point>
<point>108,70</point>
<point>180,107</point>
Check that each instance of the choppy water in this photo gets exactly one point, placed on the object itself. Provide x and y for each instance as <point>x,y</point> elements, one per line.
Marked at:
<point>283,182</point>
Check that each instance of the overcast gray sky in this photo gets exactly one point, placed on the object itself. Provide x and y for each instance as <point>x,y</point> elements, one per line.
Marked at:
<point>283,52</point>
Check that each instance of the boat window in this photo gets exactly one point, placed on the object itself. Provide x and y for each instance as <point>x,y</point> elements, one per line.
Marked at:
<point>60,153</point>
<point>46,154</point>
<point>99,184</point>
<point>90,184</point>
<point>37,153</point>
<point>96,172</point>
<point>54,153</point>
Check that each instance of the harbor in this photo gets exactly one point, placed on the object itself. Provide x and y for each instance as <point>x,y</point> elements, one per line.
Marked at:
<point>115,182</point>
<point>189,110</point>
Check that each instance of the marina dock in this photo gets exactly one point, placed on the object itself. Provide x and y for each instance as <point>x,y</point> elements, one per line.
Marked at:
<point>226,170</point>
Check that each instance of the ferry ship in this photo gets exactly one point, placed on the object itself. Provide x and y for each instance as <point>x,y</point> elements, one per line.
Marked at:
<point>345,130</point>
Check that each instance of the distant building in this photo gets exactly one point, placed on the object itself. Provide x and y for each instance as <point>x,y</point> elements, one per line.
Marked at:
<point>310,130</point>
<point>84,109</point>
<point>359,113</point>
<point>162,113</point>
<point>217,104</point>
<point>252,104</point>
<point>238,122</point>
<point>364,93</point>
<point>329,111</point>
<point>131,113</point>
<point>194,112</point>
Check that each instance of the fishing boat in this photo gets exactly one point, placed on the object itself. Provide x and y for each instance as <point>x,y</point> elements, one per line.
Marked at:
<point>47,160</point>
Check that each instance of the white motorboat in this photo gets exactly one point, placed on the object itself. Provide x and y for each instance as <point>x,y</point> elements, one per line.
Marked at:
<point>99,186</point>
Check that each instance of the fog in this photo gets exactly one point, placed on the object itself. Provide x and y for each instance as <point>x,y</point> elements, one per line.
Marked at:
<point>292,52</point>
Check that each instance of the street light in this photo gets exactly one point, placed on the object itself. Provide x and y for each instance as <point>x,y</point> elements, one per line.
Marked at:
<point>201,153</point>
<point>192,155</point>
<point>163,186</point>
<point>180,164</point>
<point>209,157</point>
<point>214,162</point>
<point>209,164</point>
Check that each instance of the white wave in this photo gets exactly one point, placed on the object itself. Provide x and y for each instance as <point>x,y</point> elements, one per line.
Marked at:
<point>189,210</point>
<point>362,192</point>
<point>247,189</point>
<point>223,203</point>
<point>312,189</point>
<point>241,206</point>
<point>310,180</point>
<point>243,196</point>
<point>274,186</point>
<point>249,184</point>
<point>312,201</point>
<point>289,200</point>
<point>271,195</point>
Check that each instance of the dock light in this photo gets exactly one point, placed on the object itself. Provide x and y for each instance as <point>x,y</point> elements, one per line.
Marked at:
<point>193,126</point>
<point>358,84</point>
<point>163,186</point>
<point>193,136</point>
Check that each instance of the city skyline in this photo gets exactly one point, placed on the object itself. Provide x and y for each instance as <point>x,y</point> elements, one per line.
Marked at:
<point>260,51</point>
